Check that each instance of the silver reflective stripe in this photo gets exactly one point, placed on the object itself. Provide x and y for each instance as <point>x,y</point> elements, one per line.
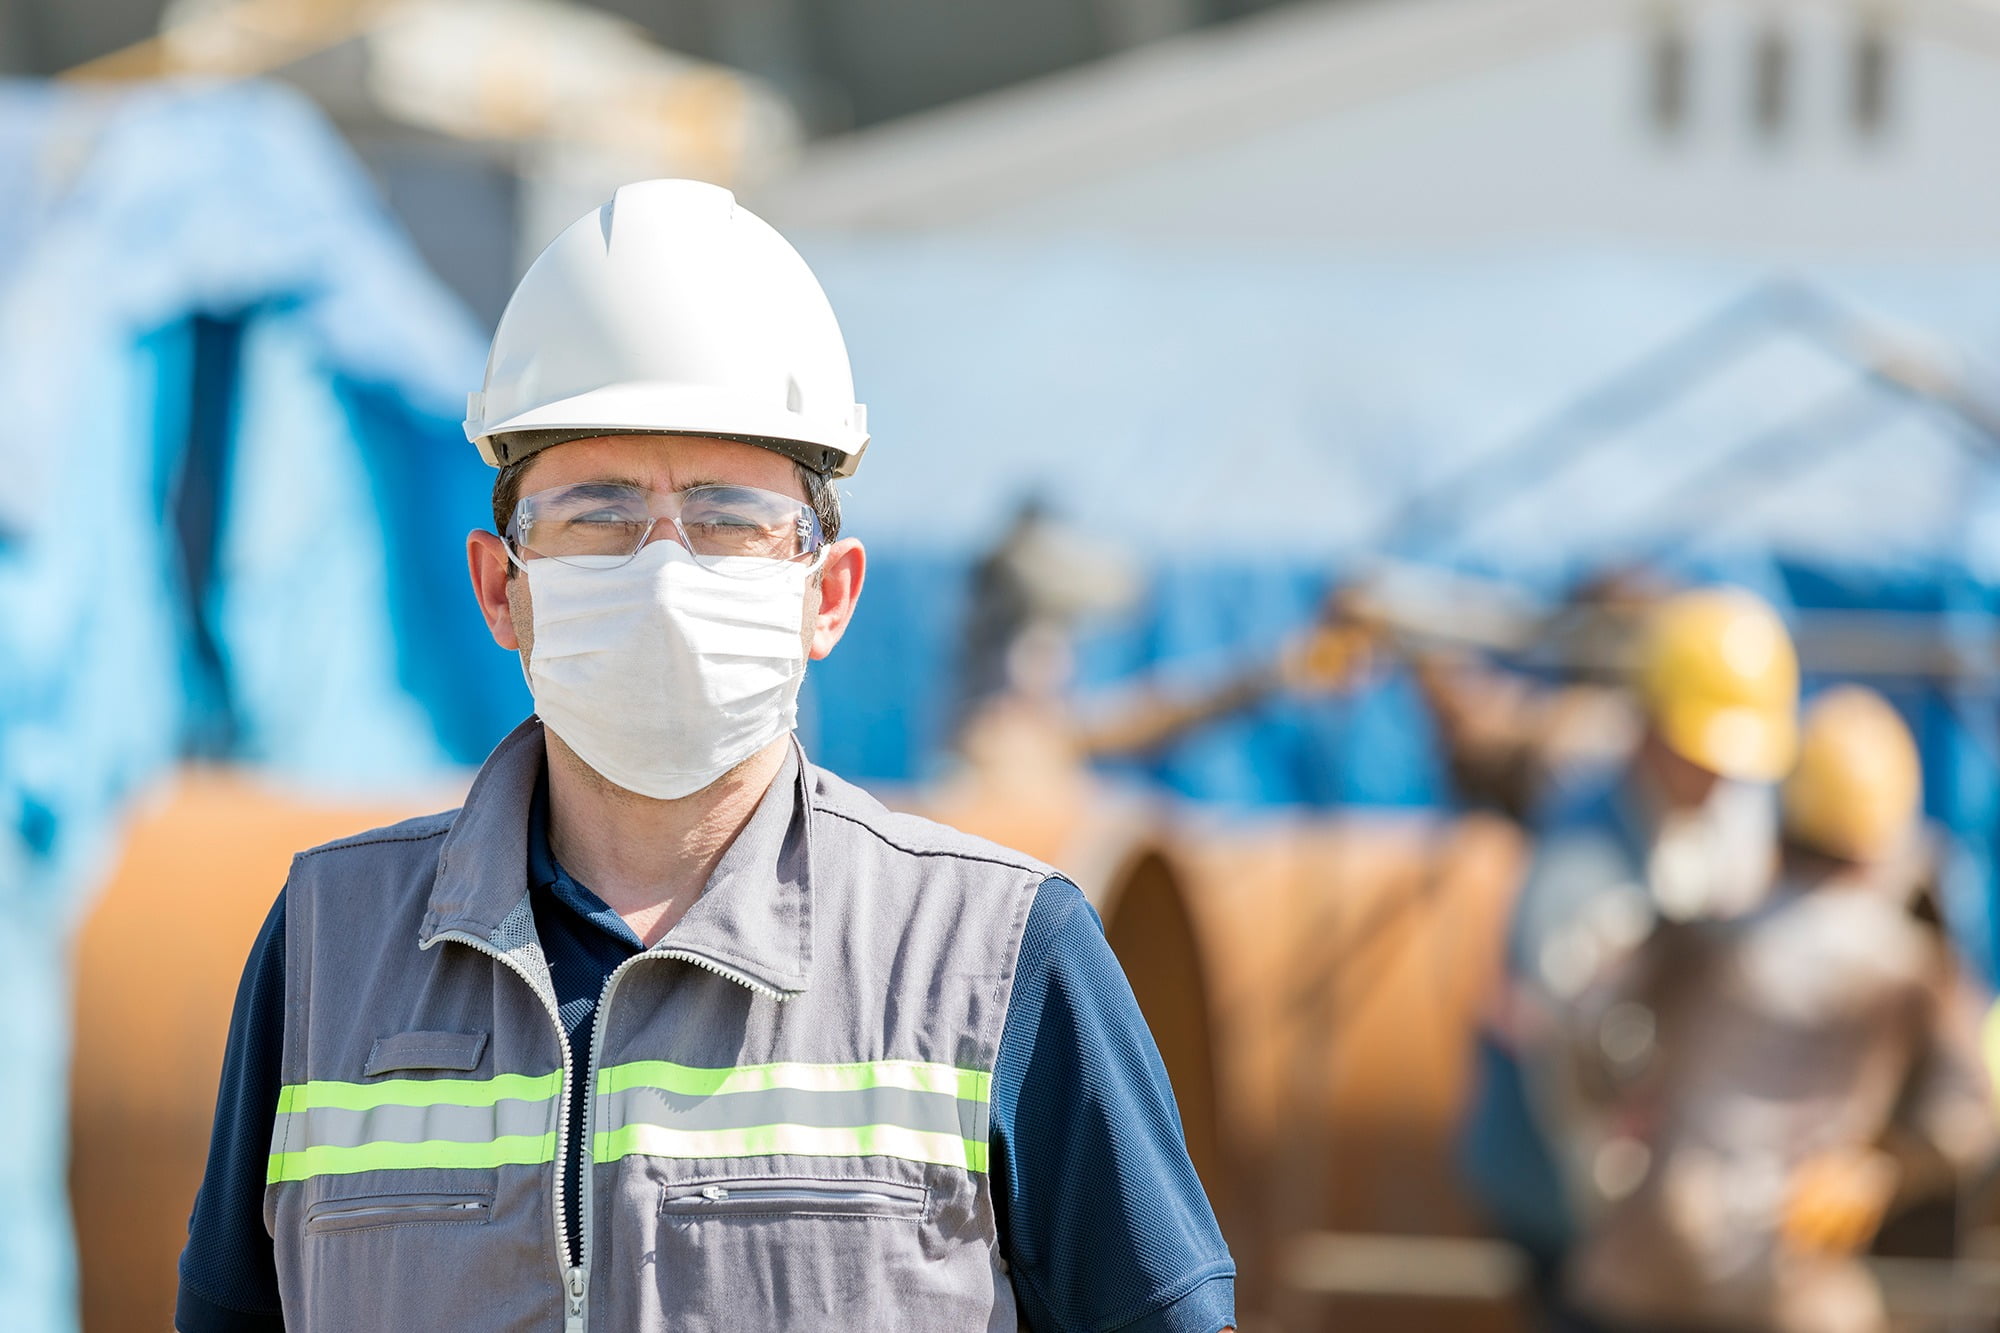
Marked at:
<point>338,1127</point>
<point>326,1127</point>
<point>928,1112</point>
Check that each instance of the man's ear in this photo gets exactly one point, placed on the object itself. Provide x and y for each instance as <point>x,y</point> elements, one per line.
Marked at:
<point>486,559</point>
<point>839,589</point>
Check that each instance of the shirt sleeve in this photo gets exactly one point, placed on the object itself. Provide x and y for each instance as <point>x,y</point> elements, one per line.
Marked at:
<point>228,1272</point>
<point>1103,1222</point>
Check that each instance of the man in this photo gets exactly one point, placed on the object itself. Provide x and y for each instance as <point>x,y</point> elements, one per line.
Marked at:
<point>668,1028</point>
<point>1684,830</point>
<point>1783,1079</point>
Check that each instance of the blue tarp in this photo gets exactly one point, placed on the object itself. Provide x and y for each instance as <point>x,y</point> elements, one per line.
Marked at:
<point>215,352</point>
<point>237,495</point>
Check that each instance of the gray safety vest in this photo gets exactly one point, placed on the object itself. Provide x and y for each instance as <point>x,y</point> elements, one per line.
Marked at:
<point>788,1120</point>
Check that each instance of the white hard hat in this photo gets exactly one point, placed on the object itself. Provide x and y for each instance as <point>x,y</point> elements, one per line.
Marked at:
<point>670,310</point>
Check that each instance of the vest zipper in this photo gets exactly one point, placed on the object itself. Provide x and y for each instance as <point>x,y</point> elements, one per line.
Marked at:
<point>570,1274</point>
<point>574,1312</point>
<point>721,971</point>
<point>393,1209</point>
<point>803,1195</point>
<point>579,1276</point>
<point>576,1275</point>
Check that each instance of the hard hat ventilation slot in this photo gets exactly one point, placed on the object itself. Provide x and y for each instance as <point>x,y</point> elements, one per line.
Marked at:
<point>794,398</point>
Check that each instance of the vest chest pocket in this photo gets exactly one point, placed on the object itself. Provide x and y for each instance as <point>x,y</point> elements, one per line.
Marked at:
<point>425,1050</point>
<point>781,1197</point>
<point>389,1210</point>
<point>786,1252</point>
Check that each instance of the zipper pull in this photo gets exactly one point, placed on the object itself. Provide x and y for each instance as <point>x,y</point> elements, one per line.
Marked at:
<point>573,1322</point>
<point>714,1193</point>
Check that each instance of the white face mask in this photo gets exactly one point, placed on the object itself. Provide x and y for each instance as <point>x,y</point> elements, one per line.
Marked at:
<point>663,674</point>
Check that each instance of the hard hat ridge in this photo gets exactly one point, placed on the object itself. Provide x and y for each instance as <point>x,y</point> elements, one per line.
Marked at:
<point>670,309</point>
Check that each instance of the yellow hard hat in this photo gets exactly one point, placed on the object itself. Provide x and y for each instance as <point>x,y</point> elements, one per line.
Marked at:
<point>1856,789</point>
<point>1720,681</point>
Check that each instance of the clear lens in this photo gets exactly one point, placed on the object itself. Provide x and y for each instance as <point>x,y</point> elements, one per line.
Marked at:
<point>591,519</point>
<point>740,521</point>
<point>736,530</point>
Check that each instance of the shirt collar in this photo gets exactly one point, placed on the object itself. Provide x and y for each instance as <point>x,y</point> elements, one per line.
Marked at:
<point>752,923</point>
<point>546,876</point>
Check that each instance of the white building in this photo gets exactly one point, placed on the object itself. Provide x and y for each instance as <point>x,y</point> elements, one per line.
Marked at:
<point>1780,129</point>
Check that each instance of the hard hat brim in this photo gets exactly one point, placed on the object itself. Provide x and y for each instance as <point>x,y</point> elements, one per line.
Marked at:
<point>654,409</point>
<point>1736,742</point>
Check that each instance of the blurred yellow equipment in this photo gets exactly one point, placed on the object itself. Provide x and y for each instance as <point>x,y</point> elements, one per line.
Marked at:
<point>1719,678</point>
<point>1856,790</point>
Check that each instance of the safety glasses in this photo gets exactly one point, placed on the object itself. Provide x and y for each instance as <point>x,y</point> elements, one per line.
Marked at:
<point>739,531</point>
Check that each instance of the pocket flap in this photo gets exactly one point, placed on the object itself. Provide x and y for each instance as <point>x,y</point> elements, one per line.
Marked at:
<point>425,1050</point>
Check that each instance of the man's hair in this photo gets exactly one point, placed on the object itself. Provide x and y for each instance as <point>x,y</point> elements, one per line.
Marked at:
<point>821,494</point>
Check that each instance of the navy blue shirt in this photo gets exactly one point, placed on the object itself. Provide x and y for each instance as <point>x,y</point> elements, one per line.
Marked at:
<point>1102,1221</point>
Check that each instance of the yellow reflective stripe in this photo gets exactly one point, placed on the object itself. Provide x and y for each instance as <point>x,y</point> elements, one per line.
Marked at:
<point>419,1092</point>
<point>869,1140</point>
<point>801,1140</point>
<point>692,1081</point>
<point>511,1150</point>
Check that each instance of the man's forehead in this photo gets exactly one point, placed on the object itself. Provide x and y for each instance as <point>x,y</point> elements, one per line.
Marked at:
<point>665,462</point>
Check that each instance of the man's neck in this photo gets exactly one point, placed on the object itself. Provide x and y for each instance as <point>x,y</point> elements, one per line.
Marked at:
<point>648,859</point>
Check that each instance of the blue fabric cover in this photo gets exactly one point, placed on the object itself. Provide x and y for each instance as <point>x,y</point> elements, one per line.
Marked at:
<point>198,285</point>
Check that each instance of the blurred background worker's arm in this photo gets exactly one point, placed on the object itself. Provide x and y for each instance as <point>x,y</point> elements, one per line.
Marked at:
<point>1324,658</point>
<point>1945,1134</point>
<point>1838,1200</point>
<point>1033,593</point>
<point>1511,737</point>
<point>1941,1139</point>
<point>1508,740</point>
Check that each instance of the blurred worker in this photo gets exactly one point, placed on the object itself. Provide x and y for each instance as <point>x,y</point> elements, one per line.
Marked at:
<point>668,1028</point>
<point>1024,742</point>
<point>1511,741</point>
<point>1686,829</point>
<point>1784,1078</point>
<point>1040,580</point>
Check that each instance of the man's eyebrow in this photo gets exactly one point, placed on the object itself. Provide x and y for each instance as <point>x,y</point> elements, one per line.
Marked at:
<point>605,483</point>
<point>610,481</point>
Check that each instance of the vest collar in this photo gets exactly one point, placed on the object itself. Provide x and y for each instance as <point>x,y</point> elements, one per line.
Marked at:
<point>752,923</point>
<point>482,870</point>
